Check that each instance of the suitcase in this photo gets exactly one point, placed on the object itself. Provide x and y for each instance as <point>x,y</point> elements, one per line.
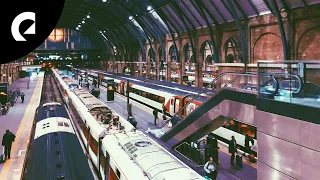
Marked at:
<point>239,160</point>
<point>252,158</point>
<point>2,157</point>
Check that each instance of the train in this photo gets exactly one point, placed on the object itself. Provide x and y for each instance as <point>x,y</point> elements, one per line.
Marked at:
<point>116,148</point>
<point>55,151</point>
<point>153,94</point>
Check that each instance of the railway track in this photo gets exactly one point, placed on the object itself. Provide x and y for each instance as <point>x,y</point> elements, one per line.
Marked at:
<point>50,92</point>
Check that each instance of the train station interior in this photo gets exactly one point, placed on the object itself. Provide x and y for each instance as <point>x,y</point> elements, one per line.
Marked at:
<point>167,90</point>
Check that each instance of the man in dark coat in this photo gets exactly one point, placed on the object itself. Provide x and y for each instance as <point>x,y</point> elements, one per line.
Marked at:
<point>155,114</point>
<point>232,149</point>
<point>247,145</point>
<point>7,140</point>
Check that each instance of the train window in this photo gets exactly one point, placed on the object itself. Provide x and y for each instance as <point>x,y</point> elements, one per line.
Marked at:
<point>144,94</point>
<point>118,173</point>
<point>60,123</point>
<point>66,124</point>
<point>161,100</point>
<point>241,128</point>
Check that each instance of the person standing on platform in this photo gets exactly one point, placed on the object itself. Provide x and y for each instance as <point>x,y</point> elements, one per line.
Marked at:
<point>7,140</point>
<point>232,149</point>
<point>155,114</point>
<point>164,109</point>
<point>247,141</point>
<point>22,97</point>
<point>211,169</point>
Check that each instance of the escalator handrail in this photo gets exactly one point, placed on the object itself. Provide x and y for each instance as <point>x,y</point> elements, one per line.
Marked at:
<point>290,74</point>
<point>204,89</point>
<point>234,79</point>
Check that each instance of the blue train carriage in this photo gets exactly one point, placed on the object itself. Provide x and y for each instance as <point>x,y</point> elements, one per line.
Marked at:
<point>55,152</point>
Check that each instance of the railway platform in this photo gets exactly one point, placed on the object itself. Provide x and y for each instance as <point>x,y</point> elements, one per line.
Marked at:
<point>19,121</point>
<point>144,117</point>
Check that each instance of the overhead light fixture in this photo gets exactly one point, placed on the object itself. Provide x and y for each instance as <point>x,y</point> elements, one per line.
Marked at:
<point>77,28</point>
<point>104,0</point>
<point>88,16</point>
<point>83,22</point>
<point>104,31</point>
<point>79,25</point>
<point>100,31</point>
<point>130,17</point>
<point>149,8</point>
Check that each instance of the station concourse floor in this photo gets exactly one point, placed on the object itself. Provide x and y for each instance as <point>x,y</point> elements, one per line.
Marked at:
<point>19,120</point>
<point>144,116</point>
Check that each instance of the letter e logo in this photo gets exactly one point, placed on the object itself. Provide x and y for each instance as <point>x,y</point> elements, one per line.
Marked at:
<point>16,24</point>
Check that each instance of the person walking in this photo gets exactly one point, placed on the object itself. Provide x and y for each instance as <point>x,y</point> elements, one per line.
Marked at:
<point>232,149</point>
<point>164,109</point>
<point>211,169</point>
<point>22,97</point>
<point>7,140</point>
<point>155,114</point>
<point>247,142</point>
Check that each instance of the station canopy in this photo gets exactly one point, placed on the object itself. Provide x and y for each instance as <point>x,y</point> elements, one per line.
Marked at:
<point>117,23</point>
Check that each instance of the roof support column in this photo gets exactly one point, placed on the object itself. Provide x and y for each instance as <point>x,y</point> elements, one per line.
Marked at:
<point>284,37</point>
<point>242,35</point>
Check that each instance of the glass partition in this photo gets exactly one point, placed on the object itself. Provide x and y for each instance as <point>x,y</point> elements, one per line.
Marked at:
<point>296,82</point>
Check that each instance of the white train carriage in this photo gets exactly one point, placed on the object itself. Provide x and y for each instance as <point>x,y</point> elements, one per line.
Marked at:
<point>133,155</point>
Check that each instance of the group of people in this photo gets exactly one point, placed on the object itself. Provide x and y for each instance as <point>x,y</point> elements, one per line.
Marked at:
<point>211,142</point>
<point>155,114</point>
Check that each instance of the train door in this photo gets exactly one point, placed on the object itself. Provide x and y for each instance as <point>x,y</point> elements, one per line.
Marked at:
<point>122,87</point>
<point>107,165</point>
<point>176,105</point>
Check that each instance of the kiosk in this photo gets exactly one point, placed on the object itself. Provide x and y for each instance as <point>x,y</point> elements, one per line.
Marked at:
<point>110,90</point>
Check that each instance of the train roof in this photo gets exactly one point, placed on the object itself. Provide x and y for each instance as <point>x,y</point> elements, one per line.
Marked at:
<point>57,155</point>
<point>148,157</point>
<point>51,109</point>
<point>89,100</point>
<point>53,124</point>
<point>169,88</point>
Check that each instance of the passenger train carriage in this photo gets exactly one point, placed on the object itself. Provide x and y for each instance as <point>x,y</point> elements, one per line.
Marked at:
<point>153,94</point>
<point>55,151</point>
<point>116,148</point>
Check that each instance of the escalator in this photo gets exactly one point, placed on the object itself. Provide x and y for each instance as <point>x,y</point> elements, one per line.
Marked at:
<point>235,99</point>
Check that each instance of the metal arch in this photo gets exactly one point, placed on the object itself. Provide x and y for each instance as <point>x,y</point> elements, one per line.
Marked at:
<point>177,9</point>
<point>188,9</point>
<point>268,6</point>
<point>254,7</point>
<point>174,21</point>
<point>144,58</point>
<point>241,33</point>
<point>88,22</point>
<point>120,4</point>
<point>243,13</point>
<point>201,11</point>
<point>188,31</point>
<point>164,18</point>
<point>286,52</point>
<point>208,12</point>
<point>159,39</point>
<point>215,7</point>
<point>93,25</point>
<point>285,5</point>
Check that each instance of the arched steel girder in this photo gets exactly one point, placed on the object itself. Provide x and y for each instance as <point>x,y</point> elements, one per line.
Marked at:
<point>199,6</point>
<point>166,20</point>
<point>285,38</point>
<point>180,15</point>
<point>98,21</point>
<point>93,36</point>
<point>122,5</point>
<point>95,23</point>
<point>244,44</point>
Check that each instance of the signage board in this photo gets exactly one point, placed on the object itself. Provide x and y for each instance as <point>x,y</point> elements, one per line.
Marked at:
<point>3,93</point>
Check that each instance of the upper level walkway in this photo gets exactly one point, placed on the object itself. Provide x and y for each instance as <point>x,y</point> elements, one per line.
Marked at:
<point>19,120</point>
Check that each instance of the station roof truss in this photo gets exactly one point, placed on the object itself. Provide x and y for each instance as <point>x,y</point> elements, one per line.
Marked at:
<point>122,23</point>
